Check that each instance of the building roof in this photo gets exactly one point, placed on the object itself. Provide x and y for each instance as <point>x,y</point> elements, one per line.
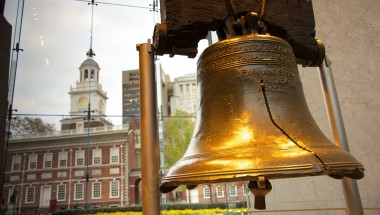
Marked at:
<point>89,62</point>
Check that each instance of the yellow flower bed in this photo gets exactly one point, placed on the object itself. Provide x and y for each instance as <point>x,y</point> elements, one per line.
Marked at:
<point>214,211</point>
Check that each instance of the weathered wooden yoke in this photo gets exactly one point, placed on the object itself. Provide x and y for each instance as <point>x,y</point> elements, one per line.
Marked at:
<point>186,22</point>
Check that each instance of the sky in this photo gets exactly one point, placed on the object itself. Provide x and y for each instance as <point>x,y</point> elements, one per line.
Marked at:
<point>55,37</point>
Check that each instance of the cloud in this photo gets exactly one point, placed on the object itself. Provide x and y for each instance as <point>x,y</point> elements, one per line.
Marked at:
<point>65,31</point>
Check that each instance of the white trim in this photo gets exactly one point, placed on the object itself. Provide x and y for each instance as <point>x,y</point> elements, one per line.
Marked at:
<point>95,153</point>
<point>46,160</point>
<point>31,156</point>
<point>118,189</point>
<point>93,190</point>
<point>41,195</point>
<point>222,191</point>
<point>114,151</point>
<point>233,187</point>
<point>14,159</point>
<point>77,153</point>
<point>10,192</point>
<point>204,192</point>
<point>60,158</point>
<point>26,194</point>
<point>75,191</point>
<point>64,199</point>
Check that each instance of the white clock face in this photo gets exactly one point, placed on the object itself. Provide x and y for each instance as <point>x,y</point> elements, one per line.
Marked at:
<point>82,102</point>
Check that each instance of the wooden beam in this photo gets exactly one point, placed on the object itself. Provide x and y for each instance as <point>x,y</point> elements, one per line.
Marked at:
<point>188,21</point>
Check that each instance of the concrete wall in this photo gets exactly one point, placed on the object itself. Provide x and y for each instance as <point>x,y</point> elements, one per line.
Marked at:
<point>350,30</point>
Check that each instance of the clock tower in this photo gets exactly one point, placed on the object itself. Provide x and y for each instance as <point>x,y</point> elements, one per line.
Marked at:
<point>87,96</point>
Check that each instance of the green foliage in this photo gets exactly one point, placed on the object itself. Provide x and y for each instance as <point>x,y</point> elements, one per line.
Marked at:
<point>177,131</point>
<point>30,125</point>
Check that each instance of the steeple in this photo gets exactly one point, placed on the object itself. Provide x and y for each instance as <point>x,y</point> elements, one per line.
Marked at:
<point>87,96</point>
<point>87,90</point>
<point>89,69</point>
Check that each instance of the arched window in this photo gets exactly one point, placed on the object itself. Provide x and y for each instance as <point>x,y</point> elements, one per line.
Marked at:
<point>85,74</point>
<point>92,74</point>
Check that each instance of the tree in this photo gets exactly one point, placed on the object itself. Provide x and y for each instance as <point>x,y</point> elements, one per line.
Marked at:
<point>30,125</point>
<point>178,131</point>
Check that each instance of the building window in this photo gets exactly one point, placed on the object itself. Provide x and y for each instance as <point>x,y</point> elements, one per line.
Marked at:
<point>48,157</point>
<point>79,158</point>
<point>92,74</point>
<point>96,190</point>
<point>62,159</point>
<point>10,194</point>
<point>233,190</point>
<point>61,192</point>
<point>181,88</point>
<point>114,188</point>
<point>78,191</point>
<point>219,191</point>
<point>85,74</point>
<point>97,156</point>
<point>29,195</point>
<point>114,155</point>
<point>206,192</point>
<point>33,161</point>
<point>245,190</point>
<point>16,162</point>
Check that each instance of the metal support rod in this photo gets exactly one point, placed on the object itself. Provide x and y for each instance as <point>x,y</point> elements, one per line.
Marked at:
<point>350,187</point>
<point>149,134</point>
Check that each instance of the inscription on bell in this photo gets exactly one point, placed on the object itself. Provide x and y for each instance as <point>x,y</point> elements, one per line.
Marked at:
<point>275,79</point>
<point>256,47</point>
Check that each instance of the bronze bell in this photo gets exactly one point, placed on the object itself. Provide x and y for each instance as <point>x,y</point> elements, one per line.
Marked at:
<point>253,123</point>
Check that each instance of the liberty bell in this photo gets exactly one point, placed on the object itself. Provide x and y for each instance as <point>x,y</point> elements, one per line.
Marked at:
<point>253,123</point>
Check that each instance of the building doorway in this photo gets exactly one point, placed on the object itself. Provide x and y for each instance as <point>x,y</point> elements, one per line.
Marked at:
<point>45,196</point>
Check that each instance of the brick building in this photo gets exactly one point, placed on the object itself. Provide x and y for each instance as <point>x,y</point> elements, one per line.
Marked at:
<point>49,171</point>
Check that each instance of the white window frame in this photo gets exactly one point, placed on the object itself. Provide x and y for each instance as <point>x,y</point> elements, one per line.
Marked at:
<point>115,152</point>
<point>82,156</point>
<point>47,159</point>
<point>206,192</point>
<point>59,191</point>
<point>97,192</point>
<point>76,191</point>
<point>33,159</point>
<point>62,157</point>
<point>111,189</point>
<point>16,162</point>
<point>219,191</point>
<point>10,192</point>
<point>28,194</point>
<point>233,190</point>
<point>96,156</point>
